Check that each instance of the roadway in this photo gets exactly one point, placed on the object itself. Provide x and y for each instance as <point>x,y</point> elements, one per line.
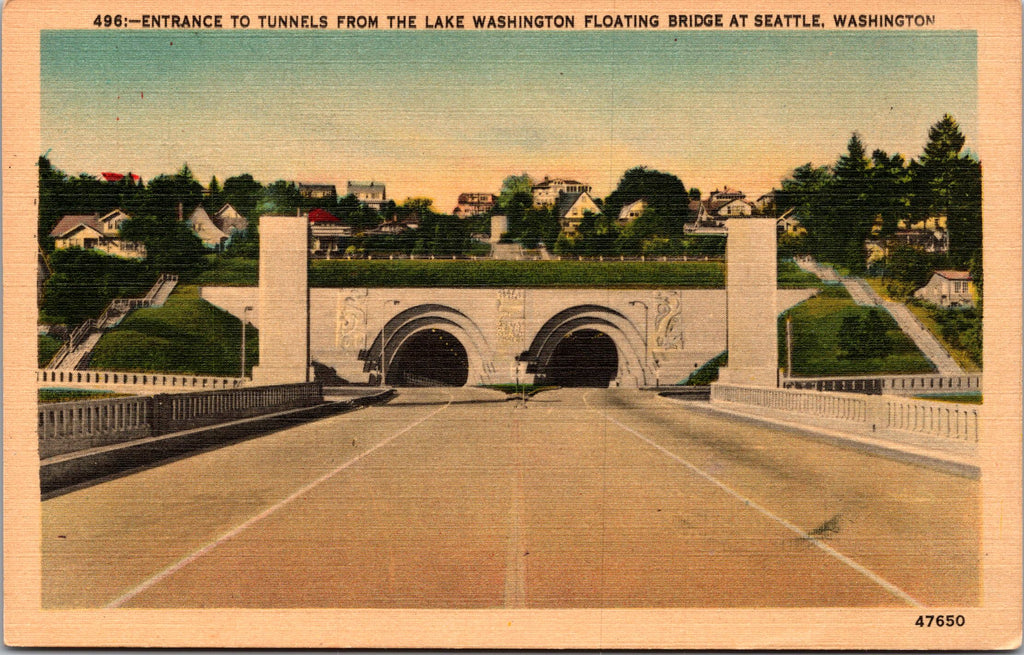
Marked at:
<point>457,498</point>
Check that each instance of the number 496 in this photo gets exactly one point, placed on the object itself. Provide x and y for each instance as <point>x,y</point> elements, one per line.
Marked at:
<point>940,621</point>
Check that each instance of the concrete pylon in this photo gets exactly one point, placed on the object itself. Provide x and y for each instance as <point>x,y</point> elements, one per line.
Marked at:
<point>751,304</point>
<point>283,301</point>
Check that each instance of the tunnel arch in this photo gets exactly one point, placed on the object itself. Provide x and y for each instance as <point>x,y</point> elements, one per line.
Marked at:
<point>394,343</point>
<point>546,356</point>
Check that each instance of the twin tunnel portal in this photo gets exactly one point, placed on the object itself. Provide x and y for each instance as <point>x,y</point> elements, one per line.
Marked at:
<point>573,349</point>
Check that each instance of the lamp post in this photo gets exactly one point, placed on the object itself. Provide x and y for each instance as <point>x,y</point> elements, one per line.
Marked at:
<point>646,310</point>
<point>245,318</point>
<point>384,342</point>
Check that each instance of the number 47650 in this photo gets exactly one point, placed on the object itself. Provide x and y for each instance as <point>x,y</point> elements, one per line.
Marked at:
<point>940,621</point>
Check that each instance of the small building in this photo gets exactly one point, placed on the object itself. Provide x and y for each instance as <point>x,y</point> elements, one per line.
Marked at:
<point>318,191</point>
<point>789,225</point>
<point>203,226</point>
<point>948,289</point>
<point>547,192</point>
<point>327,233</point>
<point>571,209</point>
<point>474,204</point>
<point>371,194</point>
<point>632,211</point>
<point>95,232</point>
<point>719,207</point>
<point>228,220</point>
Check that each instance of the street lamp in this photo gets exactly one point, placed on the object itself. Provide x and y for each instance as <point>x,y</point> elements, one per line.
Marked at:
<point>646,310</point>
<point>245,315</point>
<point>384,342</point>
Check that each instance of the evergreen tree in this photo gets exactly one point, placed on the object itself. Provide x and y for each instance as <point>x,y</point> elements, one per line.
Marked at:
<point>947,182</point>
<point>849,213</point>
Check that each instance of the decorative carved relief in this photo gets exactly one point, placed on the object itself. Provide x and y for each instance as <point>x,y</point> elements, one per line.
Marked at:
<point>668,321</point>
<point>351,320</point>
<point>511,316</point>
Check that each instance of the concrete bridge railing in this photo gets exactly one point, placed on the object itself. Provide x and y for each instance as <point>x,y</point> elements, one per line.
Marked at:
<point>80,425</point>
<point>872,415</point>
<point>166,382</point>
<point>895,385</point>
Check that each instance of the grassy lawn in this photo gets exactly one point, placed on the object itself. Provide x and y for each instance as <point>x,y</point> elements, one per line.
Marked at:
<point>816,343</point>
<point>186,335</point>
<point>48,347</point>
<point>60,395</point>
<point>486,273</point>
<point>709,372</point>
<point>964,398</point>
<point>930,317</point>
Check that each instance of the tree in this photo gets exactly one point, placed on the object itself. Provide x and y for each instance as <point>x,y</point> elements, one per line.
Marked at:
<point>171,246</point>
<point>281,197</point>
<point>167,194</point>
<point>243,193</point>
<point>947,182</point>
<point>664,193</point>
<point>888,194</point>
<point>512,186</point>
<point>849,214</point>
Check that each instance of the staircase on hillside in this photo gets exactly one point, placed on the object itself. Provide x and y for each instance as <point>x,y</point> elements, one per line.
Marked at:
<point>74,354</point>
<point>863,294</point>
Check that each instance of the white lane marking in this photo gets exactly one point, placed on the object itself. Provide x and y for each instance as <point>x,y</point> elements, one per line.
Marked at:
<point>863,570</point>
<point>188,559</point>
<point>515,560</point>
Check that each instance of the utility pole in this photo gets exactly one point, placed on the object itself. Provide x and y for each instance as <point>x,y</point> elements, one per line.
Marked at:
<point>644,305</point>
<point>245,316</point>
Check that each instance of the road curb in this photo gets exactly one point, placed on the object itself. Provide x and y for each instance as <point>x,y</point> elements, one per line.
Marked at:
<point>63,473</point>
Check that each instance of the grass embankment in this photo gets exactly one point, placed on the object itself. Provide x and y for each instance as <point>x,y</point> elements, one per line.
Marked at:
<point>958,330</point>
<point>48,347</point>
<point>817,328</point>
<point>58,395</point>
<point>963,398</point>
<point>187,335</point>
<point>405,273</point>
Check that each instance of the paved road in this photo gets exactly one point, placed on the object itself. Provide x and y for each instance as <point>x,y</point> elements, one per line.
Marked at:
<point>459,499</point>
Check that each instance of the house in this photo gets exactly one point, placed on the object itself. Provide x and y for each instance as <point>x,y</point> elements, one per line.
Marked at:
<point>948,289</point>
<point>720,207</point>
<point>205,229</point>
<point>572,207</point>
<point>474,204</point>
<point>790,225</point>
<point>371,194</point>
<point>765,203</point>
<point>326,232</point>
<point>396,226</point>
<point>317,191</point>
<point>632,211</point>
<point>547,192</point>
<point>95,232</point>
<point>228,220</point>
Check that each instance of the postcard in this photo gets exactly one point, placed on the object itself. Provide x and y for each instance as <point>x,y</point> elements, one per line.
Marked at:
<point>512,325</point>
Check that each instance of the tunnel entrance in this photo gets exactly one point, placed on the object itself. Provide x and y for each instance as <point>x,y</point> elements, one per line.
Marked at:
<point>585,358</point>
<point>430,358</point>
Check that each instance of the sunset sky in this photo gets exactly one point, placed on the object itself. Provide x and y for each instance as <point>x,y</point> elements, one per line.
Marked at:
<point>437,113</point>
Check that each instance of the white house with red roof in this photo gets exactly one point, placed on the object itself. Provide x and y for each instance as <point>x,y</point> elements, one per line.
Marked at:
<point>948,289</point>
<point>326,232</point>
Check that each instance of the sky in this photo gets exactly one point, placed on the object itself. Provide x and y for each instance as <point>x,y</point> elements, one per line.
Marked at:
<point>438,113</point>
